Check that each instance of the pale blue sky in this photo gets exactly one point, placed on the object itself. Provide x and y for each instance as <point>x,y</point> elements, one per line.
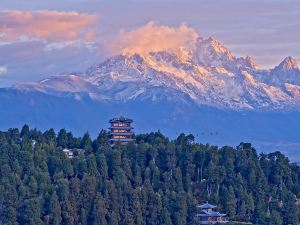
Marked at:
<point>268,30</point>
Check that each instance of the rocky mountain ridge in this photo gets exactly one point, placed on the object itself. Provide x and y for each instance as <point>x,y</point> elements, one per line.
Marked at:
<point>208,74</point>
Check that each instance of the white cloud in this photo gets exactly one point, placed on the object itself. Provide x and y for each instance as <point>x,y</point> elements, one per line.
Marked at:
<point>71,44</point>
<point>46,25</point>
<point>3,70</point>
<point>152,37</point>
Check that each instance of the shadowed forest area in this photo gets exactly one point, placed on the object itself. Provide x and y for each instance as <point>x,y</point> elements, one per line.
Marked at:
<point>151,181</point>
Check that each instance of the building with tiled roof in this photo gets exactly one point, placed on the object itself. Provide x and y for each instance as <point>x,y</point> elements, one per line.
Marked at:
<point>208,216</point>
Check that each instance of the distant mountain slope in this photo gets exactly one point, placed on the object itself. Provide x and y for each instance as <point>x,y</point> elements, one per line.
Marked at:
<point>268,131</point>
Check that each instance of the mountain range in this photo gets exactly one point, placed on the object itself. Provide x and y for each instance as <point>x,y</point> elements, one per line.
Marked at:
<point>203,89</point>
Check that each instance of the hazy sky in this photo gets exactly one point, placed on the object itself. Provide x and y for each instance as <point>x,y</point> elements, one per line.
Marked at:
<point>43,38</point>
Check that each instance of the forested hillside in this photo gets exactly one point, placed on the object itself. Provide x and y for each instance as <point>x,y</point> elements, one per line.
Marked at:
<point>152,181</point>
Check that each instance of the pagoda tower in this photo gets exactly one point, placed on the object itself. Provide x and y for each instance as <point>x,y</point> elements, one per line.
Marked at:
<point>120,130</point>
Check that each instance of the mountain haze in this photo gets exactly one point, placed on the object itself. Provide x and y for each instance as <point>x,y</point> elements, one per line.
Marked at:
<point>201,88</point>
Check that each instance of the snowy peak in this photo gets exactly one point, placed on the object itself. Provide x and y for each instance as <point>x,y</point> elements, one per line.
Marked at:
<point>286,72</point>
<point>211,52</point>
<point>288,64</point>
<point>251,63</point>
<point>217,47</point>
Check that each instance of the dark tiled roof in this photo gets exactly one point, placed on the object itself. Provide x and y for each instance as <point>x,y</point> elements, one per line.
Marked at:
<point>206,206</point>
<point>210,214</point>
<point>121,119</point>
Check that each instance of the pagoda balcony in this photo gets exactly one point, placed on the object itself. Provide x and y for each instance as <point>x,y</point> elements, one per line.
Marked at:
<point>121,136</point>
<point>121,127</point>
<point>121,139</point>
<point>121,133</point>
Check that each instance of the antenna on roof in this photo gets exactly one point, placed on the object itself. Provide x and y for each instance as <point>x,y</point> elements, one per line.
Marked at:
<point>121,115</point>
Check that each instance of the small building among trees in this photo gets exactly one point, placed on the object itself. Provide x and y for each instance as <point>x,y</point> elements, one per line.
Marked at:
<point>68,153</point>
<point>208,216</point>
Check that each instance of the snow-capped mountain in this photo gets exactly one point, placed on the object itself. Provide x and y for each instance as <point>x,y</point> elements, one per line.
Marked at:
<point>201,89</point>
<point>208,74</point>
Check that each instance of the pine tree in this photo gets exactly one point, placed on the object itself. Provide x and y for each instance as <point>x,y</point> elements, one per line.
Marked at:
<point>101,144</point>
<point>165,217</point>
<point>99,211</point>
<point>50,136</point>
<point>291,211</point>
<point>83,216</point>
<point>230,202</point>
<point>9,216</point>
<point>275,218</point>
<point>25,133</point>
<point>30,213</point>
<point>54,210</point>
<point>136,207</point>
<point>62,138</point>
<point>86,144</point>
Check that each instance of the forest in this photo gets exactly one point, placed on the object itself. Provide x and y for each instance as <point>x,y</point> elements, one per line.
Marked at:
<point>153,180</point>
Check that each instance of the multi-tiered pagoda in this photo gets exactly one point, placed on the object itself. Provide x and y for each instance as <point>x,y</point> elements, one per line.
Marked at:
<point>120,130</point>
<point>208,216</point>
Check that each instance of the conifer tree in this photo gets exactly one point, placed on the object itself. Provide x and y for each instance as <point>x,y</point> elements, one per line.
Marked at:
<point>25,133</point>
<point>86,144</point>
<point>54,210</point>
<point>62,138</point>
<point>99,211</point>
<point>291,211</point>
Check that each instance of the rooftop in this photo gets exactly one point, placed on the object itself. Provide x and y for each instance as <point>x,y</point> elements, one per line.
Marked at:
<point>121,119</point>
<point>206,206</point>
<point>205,213</point>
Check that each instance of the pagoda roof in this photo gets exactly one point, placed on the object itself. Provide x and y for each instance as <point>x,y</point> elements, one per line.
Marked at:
<point>121,119</point>
<point>205,213</point>
<point>206,206</point>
